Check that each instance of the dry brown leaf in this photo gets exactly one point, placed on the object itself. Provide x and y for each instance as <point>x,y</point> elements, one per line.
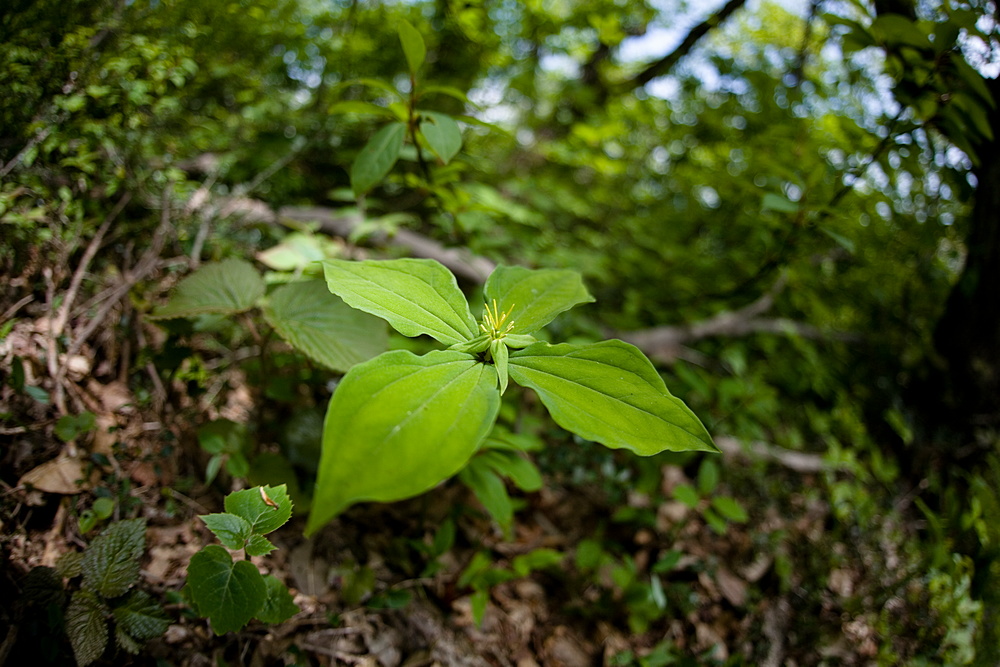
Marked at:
<point>63,474</point>
<point>732,587</point>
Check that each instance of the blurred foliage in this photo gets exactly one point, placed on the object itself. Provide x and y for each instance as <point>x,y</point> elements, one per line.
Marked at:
<point>827,163</point>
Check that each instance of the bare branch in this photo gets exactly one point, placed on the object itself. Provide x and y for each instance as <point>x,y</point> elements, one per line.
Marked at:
<point>666,63</point>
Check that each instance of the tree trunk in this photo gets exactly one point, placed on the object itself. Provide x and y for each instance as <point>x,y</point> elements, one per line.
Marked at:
<point>967,337</point>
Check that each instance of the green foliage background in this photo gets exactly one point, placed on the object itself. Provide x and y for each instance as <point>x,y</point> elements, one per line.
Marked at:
<point>792,166</point>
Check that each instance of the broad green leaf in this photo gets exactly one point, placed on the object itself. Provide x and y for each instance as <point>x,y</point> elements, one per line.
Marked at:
<point>322,326</point>
<point>415,296</point>
<point>400,424</point>
<point>226,287</point>
<point>490,490</point>
<point>228,593</point>
<point>279,606</point>
<point>377,157</point>
<point>86,627</point>
<point>111,562</point>
<point>609,392</point>
<point>233,531</point>
<point>442,134</point>
<point>262,516</point>
<point>413,45</point>
<point>533,298</point>
<point>357,106</point>
<point>141,616</point>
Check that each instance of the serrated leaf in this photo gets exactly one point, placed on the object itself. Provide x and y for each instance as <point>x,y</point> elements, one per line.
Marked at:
<point>141,616</point>
<point>43,585</point>
<point>126,641</point>
<point>322,326</point>
<point>279,606</point>
<point>258,545</point>
<point>534,297</point>
<point>69,565</point>
<point>228,593</point>
<point>377,158</point>
<point>415,296</point>
<point>227,287</point>
<point>442,133</point>
<point>413,45</point>
<point>233,531</point>
<point>86,627</point>
<point>111,563</point>
<point>400,424</point>
<point>262,517</point>
<point>609,392</point>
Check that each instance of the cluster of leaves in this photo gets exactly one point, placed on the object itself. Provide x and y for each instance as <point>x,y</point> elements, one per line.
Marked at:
<point>304,313</point>
<point>109,571</point>
<point>231,593</point>
<point>434,411</point>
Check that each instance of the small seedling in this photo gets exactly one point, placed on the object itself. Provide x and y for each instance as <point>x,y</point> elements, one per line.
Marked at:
<point>231,593</point>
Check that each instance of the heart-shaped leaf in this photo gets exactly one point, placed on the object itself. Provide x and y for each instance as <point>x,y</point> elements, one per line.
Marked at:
<point>228,593</point>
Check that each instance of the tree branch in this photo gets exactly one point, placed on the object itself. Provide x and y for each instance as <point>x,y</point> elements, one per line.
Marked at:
<point>666,63</point>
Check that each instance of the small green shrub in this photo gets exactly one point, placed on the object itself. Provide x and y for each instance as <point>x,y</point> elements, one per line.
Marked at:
<point>400,423</point>
<point>231,593</point>
<point>107,597</point>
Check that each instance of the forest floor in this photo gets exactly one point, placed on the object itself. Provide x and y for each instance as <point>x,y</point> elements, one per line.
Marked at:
<point>643,578</point>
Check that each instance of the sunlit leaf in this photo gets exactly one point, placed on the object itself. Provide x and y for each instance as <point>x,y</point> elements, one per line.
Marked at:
<point>610,393</point>
<point>415,296</point>
<point>400,424</point>
<point>534,298</point>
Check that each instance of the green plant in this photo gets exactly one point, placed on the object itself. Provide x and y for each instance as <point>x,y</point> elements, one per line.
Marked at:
<point>437,131</point>
<point>715,509</point>
<point>110,570</point>
<point>401,423</point>
<point>481,574</point>
<point>230,593</point>
<point>303,313</point>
